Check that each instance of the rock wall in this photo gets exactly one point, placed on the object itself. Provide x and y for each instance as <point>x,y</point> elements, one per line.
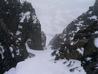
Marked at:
<point>18,24</point>
<point>78,40</point>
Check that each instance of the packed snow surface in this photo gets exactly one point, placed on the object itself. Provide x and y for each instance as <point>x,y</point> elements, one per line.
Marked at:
<point>43,63</point>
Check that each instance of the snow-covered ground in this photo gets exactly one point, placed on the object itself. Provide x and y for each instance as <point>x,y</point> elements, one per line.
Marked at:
<point>54,16</point>
<point>43,63</point>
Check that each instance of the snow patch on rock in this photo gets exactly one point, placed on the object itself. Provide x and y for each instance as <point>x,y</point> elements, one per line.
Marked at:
<point>96,42</point>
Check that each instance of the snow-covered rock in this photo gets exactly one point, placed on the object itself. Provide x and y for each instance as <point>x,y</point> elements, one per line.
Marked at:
<point>18,23</point>
<point>80,34</point>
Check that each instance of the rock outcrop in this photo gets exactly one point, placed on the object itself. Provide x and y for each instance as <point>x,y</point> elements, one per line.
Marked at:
<point>78,40</point>
<point>18,25</point>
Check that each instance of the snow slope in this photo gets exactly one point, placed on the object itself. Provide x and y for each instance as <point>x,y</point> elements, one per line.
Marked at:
<point>54,15</point>
<point>43,63</point>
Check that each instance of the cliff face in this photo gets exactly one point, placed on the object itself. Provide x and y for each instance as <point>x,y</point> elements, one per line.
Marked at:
<point>96,7</point>
<point>77,40</point>
<point>18,26</point>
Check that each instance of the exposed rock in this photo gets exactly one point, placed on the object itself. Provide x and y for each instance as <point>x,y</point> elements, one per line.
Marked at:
<point>57,41</point>
<point>43,42</point>
<point>18,24</point>
<point>78,40</point>
<point>43,36</point>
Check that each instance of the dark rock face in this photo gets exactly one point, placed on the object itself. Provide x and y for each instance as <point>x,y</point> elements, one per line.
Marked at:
<point>78,40</point>
<point>57,41</point>
<point>18,24</point>
<point>96,8</point>
<point>43,42</point>
<point>43,37</point>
